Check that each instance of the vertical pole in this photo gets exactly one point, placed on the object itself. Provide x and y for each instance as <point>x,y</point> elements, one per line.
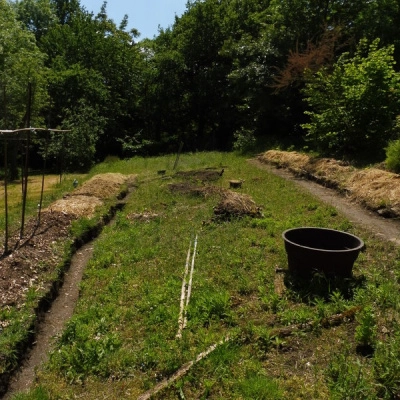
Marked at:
<point>25,177</point>
<point>44,171</point>
<point>25,185</point>
<point>178,155</point>
<point>62,157</point>
<point>5,198</point>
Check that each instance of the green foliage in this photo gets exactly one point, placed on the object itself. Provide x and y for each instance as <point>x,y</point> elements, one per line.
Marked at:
<point>36,394</point>
<point>86,349</point>
<point>347,378</point>
<point>366,330</point>
<point>387,366</point>
<point>259,387</point>
<point>244,141</point>
<point>393,156</point>
<point>21,65</point>
<point>353,108</point>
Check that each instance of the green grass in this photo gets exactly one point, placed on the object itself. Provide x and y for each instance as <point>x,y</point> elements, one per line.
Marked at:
<point>122,339</point>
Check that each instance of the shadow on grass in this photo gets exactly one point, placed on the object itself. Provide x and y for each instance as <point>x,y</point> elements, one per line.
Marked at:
<point>319,285</point>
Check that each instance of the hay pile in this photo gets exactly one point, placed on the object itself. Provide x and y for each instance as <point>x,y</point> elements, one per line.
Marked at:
<point>234,204</point>
<point>79,206</point>
<point>376,189</point>
<point>83,201</point>
<point>328,171</point>
<point>102,186</point>
<point>295,162</point>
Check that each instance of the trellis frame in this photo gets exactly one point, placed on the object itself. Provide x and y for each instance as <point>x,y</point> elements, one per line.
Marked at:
<point>6,134</point>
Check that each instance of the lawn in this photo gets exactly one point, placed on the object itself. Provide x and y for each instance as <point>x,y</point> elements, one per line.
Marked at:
<point>247,330</point>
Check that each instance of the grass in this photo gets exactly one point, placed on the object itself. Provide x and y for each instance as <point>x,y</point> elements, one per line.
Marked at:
<point>267,343</point>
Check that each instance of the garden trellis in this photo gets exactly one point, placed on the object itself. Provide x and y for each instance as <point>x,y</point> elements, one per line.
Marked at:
<point>23,135</point>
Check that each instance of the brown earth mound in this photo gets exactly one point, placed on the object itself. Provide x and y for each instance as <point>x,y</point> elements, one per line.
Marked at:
<point>376,189</point>
<point>204,175</point>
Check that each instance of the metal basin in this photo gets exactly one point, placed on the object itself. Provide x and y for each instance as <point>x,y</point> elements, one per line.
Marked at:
<point>329,251</point>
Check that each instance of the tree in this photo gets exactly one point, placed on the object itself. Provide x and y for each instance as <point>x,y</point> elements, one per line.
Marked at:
<point>353,109</point>
<point>21,66</point>
<point>36,15</point>
<point>94,62</point>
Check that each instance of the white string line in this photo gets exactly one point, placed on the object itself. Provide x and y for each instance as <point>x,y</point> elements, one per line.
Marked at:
<point>181,371</point>
<point>183,294</point>
<point>189,290</point>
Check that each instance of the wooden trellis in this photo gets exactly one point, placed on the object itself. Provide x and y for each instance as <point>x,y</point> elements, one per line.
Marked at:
<point>14,135</point>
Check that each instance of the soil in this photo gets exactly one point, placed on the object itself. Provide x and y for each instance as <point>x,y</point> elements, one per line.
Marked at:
<point>19,271</point>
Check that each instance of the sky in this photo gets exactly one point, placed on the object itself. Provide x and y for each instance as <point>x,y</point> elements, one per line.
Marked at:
<point>144,15</point>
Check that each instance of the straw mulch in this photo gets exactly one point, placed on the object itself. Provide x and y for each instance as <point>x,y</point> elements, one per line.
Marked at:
<point>84,200</point>
<point>79,206</point>
<point>102,186</point>
<point>234,204</point>
<point>376,189</point>
<point>330,172</point>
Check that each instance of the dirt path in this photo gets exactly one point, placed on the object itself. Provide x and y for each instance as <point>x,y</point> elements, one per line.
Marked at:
<point>387,229</point>
<point>53,322</point>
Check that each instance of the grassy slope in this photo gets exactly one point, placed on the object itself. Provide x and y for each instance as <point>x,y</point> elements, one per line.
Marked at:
<point>122,340</point>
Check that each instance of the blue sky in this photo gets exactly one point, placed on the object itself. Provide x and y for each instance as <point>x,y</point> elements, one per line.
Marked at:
<point>144,15</point>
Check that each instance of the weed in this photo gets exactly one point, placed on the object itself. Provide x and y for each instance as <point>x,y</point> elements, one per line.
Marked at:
<point>259,387</point>
<point>348,378</point>
<point>365,333</point>
<point>386,365</point>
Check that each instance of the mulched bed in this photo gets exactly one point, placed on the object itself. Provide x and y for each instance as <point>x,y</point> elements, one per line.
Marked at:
<point>376,189</point>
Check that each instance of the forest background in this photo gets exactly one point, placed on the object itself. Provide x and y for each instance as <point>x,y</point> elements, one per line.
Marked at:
<point>321,76</point>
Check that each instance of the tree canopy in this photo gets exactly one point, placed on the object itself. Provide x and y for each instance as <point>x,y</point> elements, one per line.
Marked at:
<point>226,74</point>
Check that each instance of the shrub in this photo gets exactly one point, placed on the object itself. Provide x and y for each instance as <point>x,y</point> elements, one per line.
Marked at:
<point>353,107</point>
<point>393,156</point>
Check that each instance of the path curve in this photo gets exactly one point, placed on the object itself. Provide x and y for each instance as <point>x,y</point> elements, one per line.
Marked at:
<point>387,229</point>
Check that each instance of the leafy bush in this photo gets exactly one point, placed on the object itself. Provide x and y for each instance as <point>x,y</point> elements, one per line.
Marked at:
<point>393,156</point>
<point>353,108</point>
<point>245,141</point>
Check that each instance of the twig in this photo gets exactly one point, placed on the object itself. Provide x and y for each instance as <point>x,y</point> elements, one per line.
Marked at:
<point>181,371</point>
